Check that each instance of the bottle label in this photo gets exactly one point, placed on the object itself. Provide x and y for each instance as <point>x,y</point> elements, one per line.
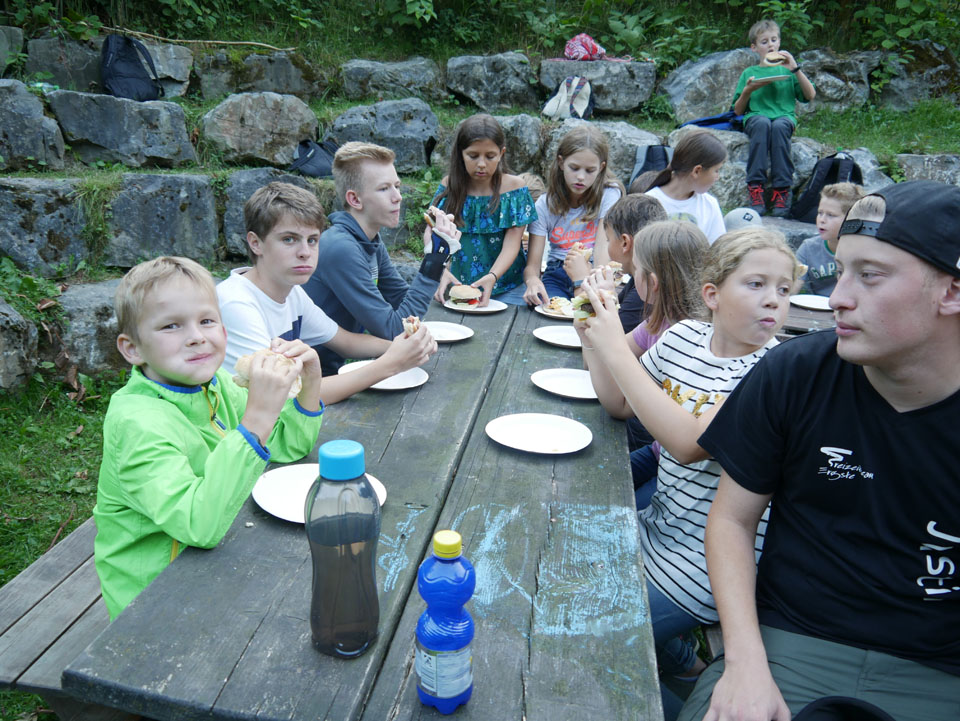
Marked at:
<point>444,674</point>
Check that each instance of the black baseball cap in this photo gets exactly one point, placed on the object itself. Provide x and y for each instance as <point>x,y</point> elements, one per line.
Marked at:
<point>922,218</point>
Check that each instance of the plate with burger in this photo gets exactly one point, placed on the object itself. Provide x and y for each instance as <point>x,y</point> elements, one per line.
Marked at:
<point>465,298</point>
<point>557,307</point>
<point>283,491</point>
<point>444,332</point>
<point>566,382</point>
<point>539,433</point>
<point>410,378</point>
<point>562,335</point>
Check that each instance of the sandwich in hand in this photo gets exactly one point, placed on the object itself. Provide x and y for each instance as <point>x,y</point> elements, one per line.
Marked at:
<point>242,369</point>
<point>617,269</point>
<point>411,324</point>
<point>464,295</point>
<point>579,248</point>
<point>775,58</point>
<point>583,308</point>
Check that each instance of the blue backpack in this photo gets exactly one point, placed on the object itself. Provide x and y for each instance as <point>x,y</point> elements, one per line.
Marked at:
<point>724,121</point>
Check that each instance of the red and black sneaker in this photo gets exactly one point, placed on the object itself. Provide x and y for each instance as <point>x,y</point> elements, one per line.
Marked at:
<point>757,202</point>
<point>782,200</point>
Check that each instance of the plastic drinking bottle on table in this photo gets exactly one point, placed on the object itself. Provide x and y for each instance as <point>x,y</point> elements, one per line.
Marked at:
<point>444,660</point>
<point>343,525</point>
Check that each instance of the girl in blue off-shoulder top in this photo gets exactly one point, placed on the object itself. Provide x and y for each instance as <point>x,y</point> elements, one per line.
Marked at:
<point>490,207</point>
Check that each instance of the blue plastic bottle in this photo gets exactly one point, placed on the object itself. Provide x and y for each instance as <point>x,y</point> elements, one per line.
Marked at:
<point>343,525</point>
<point>444,659</point>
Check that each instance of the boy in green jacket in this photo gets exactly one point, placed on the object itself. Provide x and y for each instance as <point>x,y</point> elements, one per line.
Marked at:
<point>766,97</point>
<point>183,445</point>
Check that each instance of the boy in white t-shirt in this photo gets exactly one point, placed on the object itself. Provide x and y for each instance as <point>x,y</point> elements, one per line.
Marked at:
<point>264,306</point>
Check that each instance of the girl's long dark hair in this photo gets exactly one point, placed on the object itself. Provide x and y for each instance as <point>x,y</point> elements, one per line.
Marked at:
<point>469,131</point>
<point>699,147</point>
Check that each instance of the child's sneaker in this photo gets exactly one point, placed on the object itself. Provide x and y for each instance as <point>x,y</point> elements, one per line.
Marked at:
<point>757,203</point>
<point>782,200</point>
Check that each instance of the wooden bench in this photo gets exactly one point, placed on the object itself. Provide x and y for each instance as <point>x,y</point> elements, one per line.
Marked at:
<point>49,613</point>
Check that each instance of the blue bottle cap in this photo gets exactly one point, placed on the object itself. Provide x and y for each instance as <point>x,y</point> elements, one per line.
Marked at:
<point>341,460</point>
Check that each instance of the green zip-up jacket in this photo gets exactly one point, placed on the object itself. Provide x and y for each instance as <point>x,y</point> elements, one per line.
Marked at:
<point>177,465</point>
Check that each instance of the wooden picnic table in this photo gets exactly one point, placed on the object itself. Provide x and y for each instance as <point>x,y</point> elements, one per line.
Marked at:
<point>562,625</point>
<point>803,320</point>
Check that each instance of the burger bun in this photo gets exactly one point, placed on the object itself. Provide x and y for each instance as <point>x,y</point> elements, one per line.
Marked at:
<point>464,294</point>
<point>775,58</point>
<point>242,369</point>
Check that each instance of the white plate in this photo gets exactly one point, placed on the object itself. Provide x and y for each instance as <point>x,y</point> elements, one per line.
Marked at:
<point>562,315</point>
<point>493,307</point>
<point>539,433</point>
<point>562,335</point>
<point>444,332</point>
<point>401,381</point>
<point>283,491</point>
<point>811,302</point>
<point>566,382</point>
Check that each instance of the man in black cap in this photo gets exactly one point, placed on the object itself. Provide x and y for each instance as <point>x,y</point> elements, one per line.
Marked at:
<point>853,436</point>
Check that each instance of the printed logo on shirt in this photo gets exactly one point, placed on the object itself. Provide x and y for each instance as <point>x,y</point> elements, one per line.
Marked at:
<point>827,271</point>
<point>689,217</point>
<point>294,332</point>
<point>585,233</point>
<point>681,396</point>
<point>838,469</point>
<point>939,582</point>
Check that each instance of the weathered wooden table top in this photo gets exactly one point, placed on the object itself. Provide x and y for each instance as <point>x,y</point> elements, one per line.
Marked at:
<point>803,320</point>
<point>562,626</point>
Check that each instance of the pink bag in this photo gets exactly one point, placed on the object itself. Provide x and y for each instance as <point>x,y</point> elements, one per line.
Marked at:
<point>583,47</point>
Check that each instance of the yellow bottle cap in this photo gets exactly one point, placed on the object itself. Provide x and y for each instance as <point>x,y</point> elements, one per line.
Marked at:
<point>447,544</point>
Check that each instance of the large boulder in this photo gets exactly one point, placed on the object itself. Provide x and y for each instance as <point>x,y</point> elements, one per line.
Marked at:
<point>173,64</point>
<point>933,72</point>
<point>493,82</point>
<point>705,87</point>
<point>217,74</point>
<point>11,44</point>
<point>794,231</point>
<point>28,139</point>
<point>41,224</point>
<point>68,64</point>
<point>944,168</point>
<point>408,127</point>
<point>155,215</point>
<point>90,338</point>
<point>241,186</point>
<point>259,127</point>
<point>737,144</point>
<point>18,347</point>
<point>418,77</point>
<point>805,152</point>
<point>616,87</point>
<point>280,72</point>
<point>102,127</point>
<point>842,81</point>
<point>873,177</point>
<point>623,139</point>
<point>524,142</point>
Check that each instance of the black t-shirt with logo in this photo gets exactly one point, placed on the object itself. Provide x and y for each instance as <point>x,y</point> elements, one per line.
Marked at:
<point>863,542</point>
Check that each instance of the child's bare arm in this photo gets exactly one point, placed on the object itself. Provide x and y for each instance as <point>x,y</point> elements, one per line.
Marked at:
<point>806,87</point>
<point>536,294</point>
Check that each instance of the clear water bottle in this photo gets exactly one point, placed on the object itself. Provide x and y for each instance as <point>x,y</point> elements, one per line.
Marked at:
<point>343,525</point>
<point>444,660</point>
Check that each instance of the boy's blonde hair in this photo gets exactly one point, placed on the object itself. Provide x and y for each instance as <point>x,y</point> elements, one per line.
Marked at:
<point>673,250</point>
<point>844,193</point>
<point>728,251</point>
<point>348,165</point>
<point>761,26</point>
<point>534,184</point>
<point>265,208</point>
<point>142,279</point>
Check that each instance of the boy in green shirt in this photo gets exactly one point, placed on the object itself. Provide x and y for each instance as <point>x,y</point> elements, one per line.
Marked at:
<point>766,96</point>
<point>183,445</point>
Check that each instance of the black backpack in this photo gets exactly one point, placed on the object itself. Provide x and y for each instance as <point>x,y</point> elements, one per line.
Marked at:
<point>838,168</point>
<point>121,72</point>
<point>314,159</point>
<point>650,157</point>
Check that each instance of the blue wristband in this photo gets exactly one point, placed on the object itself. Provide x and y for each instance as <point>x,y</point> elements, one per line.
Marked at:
<point>577,283</point>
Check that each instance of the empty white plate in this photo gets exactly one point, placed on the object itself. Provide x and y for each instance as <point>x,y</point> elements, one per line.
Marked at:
<point>561,335</point>
<point>567,382</point>
<point>493,306</point>
<point>811,302</point>
<point>539,433</point>
<point>444,332</point>
<point>283,491</point>
<point>401,381</point>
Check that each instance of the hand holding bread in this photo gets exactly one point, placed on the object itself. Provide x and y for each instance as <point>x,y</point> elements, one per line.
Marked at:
<point>269,361</point>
